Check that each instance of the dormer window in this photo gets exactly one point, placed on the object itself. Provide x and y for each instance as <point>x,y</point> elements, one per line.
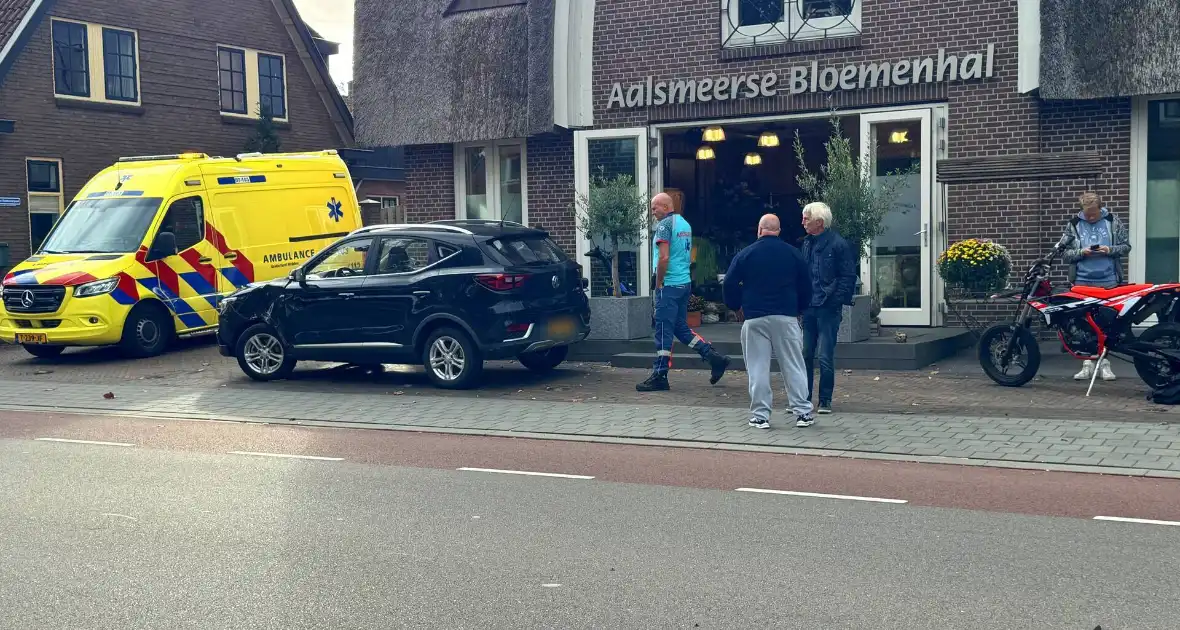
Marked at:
<point>759,22</point>
<point>461,6</point>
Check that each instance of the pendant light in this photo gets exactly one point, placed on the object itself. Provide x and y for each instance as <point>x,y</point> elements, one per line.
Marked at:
<point>768,139</point>
<point>753,159</point>
<point>706,153</point>
<point>714,134</point>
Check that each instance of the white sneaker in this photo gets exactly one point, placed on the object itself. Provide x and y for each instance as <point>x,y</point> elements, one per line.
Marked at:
<point>1086,373</point>
<point>1106,372</point>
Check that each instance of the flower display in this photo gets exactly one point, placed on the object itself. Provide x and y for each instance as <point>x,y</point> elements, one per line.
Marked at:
<point>976,265</point>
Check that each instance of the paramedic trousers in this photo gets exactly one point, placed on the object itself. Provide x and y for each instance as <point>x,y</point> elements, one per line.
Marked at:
<point>671,322</point>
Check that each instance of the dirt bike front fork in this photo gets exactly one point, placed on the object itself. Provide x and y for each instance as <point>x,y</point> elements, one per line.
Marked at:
<point>1097,368</point>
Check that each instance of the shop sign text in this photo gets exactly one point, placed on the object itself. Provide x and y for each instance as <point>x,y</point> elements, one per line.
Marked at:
<point>801,79</point>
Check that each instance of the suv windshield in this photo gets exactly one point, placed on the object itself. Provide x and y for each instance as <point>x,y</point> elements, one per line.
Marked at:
<point>525,250</point>
<point>102,226</point>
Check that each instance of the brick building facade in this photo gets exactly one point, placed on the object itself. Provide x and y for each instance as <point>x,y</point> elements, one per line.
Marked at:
<point>87,81</point>
<point>1011,144</point>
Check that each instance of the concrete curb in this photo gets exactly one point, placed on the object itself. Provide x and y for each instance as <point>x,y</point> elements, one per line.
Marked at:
<point>667,443</point>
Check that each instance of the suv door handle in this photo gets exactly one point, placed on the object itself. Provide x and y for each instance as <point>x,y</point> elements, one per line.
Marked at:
<point>347,295</point>
<point>421,293</point>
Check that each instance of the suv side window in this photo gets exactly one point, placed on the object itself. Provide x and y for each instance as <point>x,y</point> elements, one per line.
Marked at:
<point>186,220</point>
<point>343,261</point>
<point>406,255</point>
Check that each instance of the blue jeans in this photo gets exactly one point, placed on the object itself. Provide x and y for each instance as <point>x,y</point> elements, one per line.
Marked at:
<point>820,327</point>
<point>671,322</point>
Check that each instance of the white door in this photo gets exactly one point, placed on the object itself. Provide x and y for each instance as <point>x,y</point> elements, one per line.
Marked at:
<point>900,262</point>
<point>607,154</point>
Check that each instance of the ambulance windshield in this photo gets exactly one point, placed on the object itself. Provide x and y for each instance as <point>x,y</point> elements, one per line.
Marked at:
<point>102,226</point>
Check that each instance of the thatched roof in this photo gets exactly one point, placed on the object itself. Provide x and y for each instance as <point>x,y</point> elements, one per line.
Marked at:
<point>424,78</point>
<point>1106,48</point>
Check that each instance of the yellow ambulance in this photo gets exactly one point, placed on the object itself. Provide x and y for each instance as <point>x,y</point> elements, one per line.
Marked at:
<point>151,244</point>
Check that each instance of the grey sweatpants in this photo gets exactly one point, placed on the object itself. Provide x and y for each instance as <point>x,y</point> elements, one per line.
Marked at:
<point>783,335</point>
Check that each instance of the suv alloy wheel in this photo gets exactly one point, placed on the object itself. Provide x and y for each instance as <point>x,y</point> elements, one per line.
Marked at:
<point>451,359</point>
<point>261,354</point>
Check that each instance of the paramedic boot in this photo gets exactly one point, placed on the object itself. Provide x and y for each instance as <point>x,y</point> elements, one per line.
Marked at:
<point>654,383</point>
<point>718,363</point>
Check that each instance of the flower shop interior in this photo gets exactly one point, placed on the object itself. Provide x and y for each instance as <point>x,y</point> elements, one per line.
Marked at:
<point>725,176</point>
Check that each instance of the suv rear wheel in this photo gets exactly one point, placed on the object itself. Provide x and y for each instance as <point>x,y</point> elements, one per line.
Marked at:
<point>261,354</point>
<point>545,360</point>
<point>451,359</point>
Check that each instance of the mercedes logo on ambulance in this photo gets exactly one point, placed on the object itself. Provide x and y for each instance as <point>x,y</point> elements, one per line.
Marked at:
<point>27,299</point>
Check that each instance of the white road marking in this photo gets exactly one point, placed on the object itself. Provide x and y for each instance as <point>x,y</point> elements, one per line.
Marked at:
<point>288,456</point>
<point>550,586</point>
<point>1141,521</point>
<point>46,439</point>
<point>526,472</point>
<point>822,496</point>
<point>130,518</point>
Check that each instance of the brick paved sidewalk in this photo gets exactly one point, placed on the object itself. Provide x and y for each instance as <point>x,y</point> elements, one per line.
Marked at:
<point>196,364</point>
<point>1116,447</point>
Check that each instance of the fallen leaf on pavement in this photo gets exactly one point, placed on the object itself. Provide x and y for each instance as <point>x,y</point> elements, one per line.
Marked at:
<point>108,395</point>
<point>876,378</point>
<point>398,393</point>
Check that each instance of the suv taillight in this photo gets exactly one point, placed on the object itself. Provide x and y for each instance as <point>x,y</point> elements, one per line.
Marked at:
<point>501,281</point>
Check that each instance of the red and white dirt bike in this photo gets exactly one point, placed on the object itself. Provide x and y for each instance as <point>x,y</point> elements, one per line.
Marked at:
<point>1092,323</point>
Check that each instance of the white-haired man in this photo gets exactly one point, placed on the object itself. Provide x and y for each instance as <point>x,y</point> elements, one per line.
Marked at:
<point>832,265</point>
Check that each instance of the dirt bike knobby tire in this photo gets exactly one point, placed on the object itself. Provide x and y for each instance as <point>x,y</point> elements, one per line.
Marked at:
<point>1031,350</point>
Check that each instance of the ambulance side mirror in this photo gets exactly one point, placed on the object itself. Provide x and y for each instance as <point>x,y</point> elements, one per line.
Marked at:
<point>163,247</point>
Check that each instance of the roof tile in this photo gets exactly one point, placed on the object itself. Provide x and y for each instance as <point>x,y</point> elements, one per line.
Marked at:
<point>11,13</point>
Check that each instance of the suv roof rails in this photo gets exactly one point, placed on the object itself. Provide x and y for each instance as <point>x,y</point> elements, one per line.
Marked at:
<point>477,222</point>
<point>411,226</point>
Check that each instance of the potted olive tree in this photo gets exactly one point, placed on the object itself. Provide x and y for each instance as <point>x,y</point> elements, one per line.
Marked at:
<point>616,211</point>
<point>859,203</point>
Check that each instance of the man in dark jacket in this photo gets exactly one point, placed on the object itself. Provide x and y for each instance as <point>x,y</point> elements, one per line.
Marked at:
<point>832,265</point>
<point>768,280</point>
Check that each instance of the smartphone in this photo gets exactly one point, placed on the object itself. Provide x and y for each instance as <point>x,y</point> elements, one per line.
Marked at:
<point>1094,248</point>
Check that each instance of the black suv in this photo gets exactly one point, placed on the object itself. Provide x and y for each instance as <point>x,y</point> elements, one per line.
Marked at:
<point>448,295</point>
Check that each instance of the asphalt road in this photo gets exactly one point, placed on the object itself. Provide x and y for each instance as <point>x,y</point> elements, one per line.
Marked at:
<point>165,526</point>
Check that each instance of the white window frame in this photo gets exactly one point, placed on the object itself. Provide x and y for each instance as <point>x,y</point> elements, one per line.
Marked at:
<point>772,33</point>
<point>60,195</point>
<point>1137,213</point>
<point>492,178</point>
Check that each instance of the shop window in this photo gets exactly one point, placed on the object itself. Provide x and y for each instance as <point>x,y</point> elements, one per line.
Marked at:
<point>251,81</point>
<point>46,199</point>
<point>759,22</point>
<point>186,220</point>
<point>491,182</point>
<point>1162,195</point>
<point>74,74</point>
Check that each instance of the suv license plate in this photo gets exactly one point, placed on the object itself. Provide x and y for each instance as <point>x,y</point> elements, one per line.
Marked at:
<point>32,338</point>
<point>561,327</point>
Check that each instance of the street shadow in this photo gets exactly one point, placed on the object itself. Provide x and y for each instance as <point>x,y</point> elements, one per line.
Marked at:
<point>498,376</point>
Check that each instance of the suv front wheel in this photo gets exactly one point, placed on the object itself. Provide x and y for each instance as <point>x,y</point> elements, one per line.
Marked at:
<point>261,354</point>
<point>451,359</point>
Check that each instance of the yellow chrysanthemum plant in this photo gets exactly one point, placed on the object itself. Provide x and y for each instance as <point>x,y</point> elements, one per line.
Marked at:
<point>975,265</point>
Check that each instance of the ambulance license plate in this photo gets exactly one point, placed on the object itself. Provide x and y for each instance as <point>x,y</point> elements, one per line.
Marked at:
<point>561,327</point>
<point>32,338</point>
